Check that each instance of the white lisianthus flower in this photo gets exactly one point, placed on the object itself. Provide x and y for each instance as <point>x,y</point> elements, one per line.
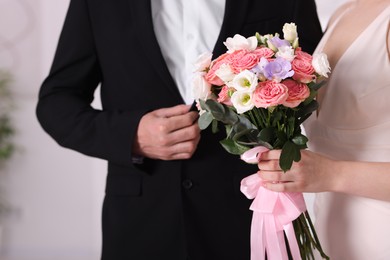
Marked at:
<point>286,52</point>
<point>225,73</point>
<point>203,62</point>
<point>239,42</point>
<point>290,32</point>
<point>245,81</point>
<point>242,101</point>
<point>320,64</point>
<point>200,87</point>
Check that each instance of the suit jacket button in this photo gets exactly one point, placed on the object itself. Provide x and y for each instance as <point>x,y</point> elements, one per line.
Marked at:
<point>187,184</point>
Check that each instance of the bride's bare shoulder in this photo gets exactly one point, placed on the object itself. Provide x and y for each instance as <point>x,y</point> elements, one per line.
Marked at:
<point>339,12</point>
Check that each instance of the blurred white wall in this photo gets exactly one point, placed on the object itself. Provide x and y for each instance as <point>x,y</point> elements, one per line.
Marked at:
<point>56,193</point>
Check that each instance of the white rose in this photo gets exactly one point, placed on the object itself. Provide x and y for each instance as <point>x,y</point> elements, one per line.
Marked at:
<point>286,52</point>
<point>200,87</point>
<point>239,42</point>
<point>203,62</point>
<point>245,81</point>
<point>290,32</point>
<point>242,101</point>
<point>225,73</point>
<point>321,64</point>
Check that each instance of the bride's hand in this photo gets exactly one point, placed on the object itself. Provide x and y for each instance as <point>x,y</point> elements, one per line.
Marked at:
<point>313,173</point>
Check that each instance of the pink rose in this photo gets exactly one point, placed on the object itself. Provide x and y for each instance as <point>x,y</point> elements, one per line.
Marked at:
<point>264,52</point>
<point>301,55</point>
<point>224,97</point>
<point>210,76</point>
<point>303,70</point>
<point>243,60</point>
<point>269,94</point>
<point>297,93</point>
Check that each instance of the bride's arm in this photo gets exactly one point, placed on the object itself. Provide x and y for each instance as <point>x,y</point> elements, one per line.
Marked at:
<point>317,173</point>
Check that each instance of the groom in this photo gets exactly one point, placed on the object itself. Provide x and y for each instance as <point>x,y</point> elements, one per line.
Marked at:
<point>171,192</point>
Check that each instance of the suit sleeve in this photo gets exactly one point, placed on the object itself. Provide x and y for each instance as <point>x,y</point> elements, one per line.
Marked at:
<point>309,27</point>
<point>64,107</point>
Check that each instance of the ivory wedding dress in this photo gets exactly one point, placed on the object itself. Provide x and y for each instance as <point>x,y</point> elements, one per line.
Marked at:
<point>354,124</point>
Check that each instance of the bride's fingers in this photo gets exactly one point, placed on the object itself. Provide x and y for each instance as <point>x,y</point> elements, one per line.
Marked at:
<point>269,165</point>
<point>276,176</point>
<point>280,186</point>
<point>272,176</point>
<point>270,155</point>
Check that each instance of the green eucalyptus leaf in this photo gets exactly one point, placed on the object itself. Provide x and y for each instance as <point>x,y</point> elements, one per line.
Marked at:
<point>229,132</point>
<point>243,123</point>
<point>290,152</point>
<point>246,135</point>
<point>230,117</point>
<point>216,109</point>
<point>203,105</point>
<point>233,147</point>
<point>221,112</point>
<point>214,126</point>
<point>300,140</point>
<point>205,120</point>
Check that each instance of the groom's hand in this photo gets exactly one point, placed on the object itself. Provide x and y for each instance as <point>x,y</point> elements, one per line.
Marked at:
<point>168,134</point>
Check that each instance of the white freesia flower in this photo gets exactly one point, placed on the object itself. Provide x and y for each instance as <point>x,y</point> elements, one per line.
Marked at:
<point>264,38</point>
<point>286,52</point>
<point>225,73</point>
<point>200,87</point>
<point>295,43</point>
<point>269,43</point>
<point>242,101</point>
<point>321,64</point>
<point>203,62</point>
<point>290,32</point>
<point>245,81</point>
<point>239,42</point>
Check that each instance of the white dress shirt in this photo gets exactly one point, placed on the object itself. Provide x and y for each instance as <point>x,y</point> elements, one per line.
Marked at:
<point>185,29</point>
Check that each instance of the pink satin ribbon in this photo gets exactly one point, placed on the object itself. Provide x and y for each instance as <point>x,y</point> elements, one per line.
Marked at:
<point>273,212</point>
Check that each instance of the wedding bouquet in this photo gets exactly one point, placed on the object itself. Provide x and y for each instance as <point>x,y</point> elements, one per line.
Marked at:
<point>261,90</point>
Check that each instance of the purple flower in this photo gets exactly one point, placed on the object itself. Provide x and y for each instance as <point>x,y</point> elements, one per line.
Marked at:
<point>278,69</point>
<point>277,42</point>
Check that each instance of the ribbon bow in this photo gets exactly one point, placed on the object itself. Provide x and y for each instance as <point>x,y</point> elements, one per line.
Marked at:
<point>273,213</point>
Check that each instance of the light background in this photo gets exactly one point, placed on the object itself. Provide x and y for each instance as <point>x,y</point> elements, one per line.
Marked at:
<point>55,193</point>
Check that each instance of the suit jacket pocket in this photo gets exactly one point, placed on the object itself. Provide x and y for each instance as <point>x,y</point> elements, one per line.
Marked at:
<point>123,181</point>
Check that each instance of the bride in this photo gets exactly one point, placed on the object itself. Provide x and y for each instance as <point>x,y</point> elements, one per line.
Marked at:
<point>348,161</point>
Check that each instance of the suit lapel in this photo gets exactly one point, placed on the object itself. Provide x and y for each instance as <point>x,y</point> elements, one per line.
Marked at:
<point>141,11</point>
<point>235,13</point>
<point>234,17</point>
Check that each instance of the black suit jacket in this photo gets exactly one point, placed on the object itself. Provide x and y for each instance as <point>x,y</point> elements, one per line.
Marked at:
<point>188,209</point>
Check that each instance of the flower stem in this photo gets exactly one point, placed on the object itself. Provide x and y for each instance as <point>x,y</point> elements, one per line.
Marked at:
<point>306,237</point>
